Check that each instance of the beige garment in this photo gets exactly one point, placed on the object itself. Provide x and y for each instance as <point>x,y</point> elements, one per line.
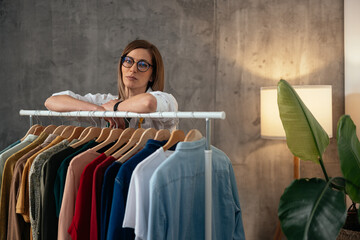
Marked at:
<point>22,204</point>
<point>6,182</point>
<point>18,229</point>
<point>72,182</point>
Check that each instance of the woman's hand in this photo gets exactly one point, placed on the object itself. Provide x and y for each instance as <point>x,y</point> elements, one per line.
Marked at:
<point>109,106</point>
<point>114,122</point>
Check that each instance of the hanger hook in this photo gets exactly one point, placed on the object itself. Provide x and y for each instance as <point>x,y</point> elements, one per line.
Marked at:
<point>77,118</point>
<point>35,117</point>
<point>126,118</point>
<point>69,118</point>
<point>93,118</point>
<point>113,118</point>
<point>39,117</point>
<point>104,115</point>
<point>49,116</point>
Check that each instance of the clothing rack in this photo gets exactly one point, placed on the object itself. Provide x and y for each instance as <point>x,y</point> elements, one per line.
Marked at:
<point>198,115</point>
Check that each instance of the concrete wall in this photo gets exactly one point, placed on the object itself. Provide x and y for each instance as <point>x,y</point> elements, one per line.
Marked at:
<point>217,56</point>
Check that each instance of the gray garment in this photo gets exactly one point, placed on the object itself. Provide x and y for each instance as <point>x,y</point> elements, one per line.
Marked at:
<point>34,185</point>
<point>5,155</point>
<point>10,146</point>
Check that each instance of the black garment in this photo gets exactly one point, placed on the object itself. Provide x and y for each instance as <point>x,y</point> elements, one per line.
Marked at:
<point>49,221</point>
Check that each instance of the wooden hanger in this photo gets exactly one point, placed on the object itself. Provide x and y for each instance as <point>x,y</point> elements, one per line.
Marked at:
<point>67,131</point>
<point>30,131</point>
<point>193,135</point>
<point>38,130</point>
<point>162,135</point>
<point>75,133</point>
<point>124,138</point>
<point>146,135</point>
<point>59,130</point>
<point>113,135</point>
<point>175,137</point>
<point>133,140</point>
<point>49,129</point>
<point>103,135</point>
<point>93,133</point>
<point>84,132</point>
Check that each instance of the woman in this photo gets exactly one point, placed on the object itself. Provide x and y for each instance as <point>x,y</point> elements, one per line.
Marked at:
<point>140,86</point>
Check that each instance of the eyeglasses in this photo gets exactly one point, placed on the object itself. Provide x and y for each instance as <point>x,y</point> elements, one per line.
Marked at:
<point>141,65</point>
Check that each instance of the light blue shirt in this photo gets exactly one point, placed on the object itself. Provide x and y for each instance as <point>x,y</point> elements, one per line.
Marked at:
<point>177,196</point>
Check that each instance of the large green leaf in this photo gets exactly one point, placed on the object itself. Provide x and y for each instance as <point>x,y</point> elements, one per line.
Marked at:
<point>305,137</point>
<point>310,209</point>
<point>349,154</point>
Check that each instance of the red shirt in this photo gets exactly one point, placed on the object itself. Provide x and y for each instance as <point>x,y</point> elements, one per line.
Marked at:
<point>96,196</point>
<point>80,225</point>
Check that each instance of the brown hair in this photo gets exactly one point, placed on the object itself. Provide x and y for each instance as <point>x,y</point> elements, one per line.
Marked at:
<point>158,66</point>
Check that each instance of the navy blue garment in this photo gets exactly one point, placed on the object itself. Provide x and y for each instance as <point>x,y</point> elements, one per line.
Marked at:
<point>61,175</point>
<point>121,187</point>
<point>106,197</point>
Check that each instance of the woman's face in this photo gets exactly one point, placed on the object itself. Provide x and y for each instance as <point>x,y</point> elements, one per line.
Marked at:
<point>134,80</point>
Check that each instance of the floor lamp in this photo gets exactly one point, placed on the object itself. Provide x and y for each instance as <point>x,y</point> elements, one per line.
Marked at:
<point>317,98</point>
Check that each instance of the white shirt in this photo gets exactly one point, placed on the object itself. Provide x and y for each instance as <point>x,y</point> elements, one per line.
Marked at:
<point>137,204</point>
<point>165,103</point>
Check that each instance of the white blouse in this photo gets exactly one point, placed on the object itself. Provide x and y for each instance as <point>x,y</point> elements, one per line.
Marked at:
<point>165,103</point>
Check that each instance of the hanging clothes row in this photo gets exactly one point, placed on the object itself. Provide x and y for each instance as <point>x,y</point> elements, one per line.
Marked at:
<point>70,182</point>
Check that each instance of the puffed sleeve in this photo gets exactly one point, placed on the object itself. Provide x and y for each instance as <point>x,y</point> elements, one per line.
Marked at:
<point>97,98</point>
<point>165,102</point>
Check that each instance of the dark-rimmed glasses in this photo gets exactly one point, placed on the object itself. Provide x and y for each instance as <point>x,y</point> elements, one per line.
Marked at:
<point>141,65</point>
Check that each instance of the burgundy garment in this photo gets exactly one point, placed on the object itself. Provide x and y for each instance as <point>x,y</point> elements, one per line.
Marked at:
<point>96,197</point>
<point>80,225</point>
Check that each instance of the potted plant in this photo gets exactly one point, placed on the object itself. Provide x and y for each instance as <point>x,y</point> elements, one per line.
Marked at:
<point>315,208</point>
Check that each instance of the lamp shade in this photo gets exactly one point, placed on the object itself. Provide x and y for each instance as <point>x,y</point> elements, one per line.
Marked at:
<point>352,60</point>
<point>317,98</point>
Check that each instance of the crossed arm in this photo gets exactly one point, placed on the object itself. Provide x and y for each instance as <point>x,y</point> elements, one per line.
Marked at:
<point>141,103</point>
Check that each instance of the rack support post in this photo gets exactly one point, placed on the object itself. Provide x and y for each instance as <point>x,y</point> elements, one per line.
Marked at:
<point>31,120</point>
<point>208,182</point>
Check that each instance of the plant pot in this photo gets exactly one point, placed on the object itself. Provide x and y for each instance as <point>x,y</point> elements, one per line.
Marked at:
<point>352,222</point>
<point>348,235</point>
<point>351,228</point>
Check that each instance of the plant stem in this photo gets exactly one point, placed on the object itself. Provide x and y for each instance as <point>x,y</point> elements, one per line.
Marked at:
<point>323,168</point>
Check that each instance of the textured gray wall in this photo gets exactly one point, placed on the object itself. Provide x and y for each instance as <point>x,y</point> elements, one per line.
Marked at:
<point>217,56</point>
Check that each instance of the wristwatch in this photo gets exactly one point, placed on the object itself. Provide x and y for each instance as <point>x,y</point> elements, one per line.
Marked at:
<point>116,105</point>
